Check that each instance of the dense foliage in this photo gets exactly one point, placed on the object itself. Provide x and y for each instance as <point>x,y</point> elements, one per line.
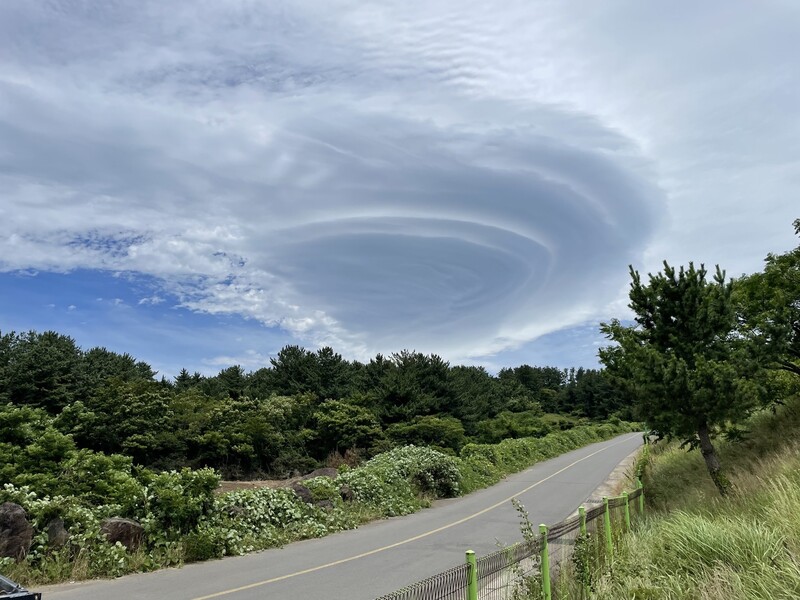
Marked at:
<point>768,309</point>
<point>284,418</point>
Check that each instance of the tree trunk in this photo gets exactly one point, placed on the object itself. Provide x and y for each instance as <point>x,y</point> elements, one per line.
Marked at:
<point>712,461</point>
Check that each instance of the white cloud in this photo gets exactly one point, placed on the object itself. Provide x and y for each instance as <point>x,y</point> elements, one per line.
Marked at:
<point>459,179</point>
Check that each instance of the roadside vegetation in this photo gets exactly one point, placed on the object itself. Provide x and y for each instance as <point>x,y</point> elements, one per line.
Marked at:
<point>89,439</point>
<point>183,519</point>
<point>715,366</point>
<point>697,544</point>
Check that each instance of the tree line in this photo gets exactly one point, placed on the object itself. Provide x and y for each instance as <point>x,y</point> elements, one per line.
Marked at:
<point>291,415</point>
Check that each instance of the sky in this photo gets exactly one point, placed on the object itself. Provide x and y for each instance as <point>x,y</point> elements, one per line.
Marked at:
<point>202,183</point>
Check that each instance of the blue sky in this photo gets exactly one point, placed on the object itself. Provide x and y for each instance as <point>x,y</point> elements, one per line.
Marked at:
<point>201,183</point>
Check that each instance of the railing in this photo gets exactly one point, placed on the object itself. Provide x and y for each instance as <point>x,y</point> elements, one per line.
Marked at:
<point>556,563</point>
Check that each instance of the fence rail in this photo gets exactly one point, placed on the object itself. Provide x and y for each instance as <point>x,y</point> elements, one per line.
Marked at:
<point>558,563</point>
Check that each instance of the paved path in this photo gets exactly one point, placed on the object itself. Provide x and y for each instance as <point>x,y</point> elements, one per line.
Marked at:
<point>384,555</point>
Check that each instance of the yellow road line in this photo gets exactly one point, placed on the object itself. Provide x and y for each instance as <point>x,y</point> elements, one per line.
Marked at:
<point>411,539</point>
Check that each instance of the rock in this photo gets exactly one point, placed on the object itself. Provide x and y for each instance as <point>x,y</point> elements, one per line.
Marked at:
<point>303,492</point>
<point>57,534</point>
<point>16,534</point>
<point>326,472</point>
<point>125,531</point>
<point>326,504</point>
<point>347,494</point>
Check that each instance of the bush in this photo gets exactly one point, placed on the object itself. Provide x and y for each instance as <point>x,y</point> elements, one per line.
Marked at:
<point>176,500</point>
<point>204,543</point>
<point>432,472</point>
<point>512,455</point>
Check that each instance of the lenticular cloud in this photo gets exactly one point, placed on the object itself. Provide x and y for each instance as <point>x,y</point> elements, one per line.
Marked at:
<point>354,210</point>
<point>455,238</point>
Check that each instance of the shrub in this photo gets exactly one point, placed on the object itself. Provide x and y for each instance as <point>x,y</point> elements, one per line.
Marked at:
<point>176,500</point>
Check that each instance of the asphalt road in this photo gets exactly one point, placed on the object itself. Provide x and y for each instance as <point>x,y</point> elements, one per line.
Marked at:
<point>383,556</point>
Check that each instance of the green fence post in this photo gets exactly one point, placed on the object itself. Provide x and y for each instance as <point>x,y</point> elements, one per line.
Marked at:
<point>582,513</point>
<point>472,576</point>
<point>607,522</point>
<point>545,566</point>
<point>640,485</point>
<point>627,512</point>
<point>584,558</point>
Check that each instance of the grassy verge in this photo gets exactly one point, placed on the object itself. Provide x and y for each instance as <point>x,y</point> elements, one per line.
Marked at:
<point>697,545</point>
<point>185,521</point>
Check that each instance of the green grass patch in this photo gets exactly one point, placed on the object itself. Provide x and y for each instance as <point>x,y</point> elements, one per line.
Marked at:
<point>697,545</point>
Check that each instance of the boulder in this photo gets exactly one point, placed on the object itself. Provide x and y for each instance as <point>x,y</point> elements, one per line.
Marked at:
<point>347,494</point>
<point>326,472</point>
<point>326,504</point>
<point>303,493</point>
<point>57,534</point>
<point>125,531</point>
<point>16,534</point>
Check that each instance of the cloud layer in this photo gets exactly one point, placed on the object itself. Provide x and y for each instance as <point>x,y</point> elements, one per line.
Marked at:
<point>454,180</point>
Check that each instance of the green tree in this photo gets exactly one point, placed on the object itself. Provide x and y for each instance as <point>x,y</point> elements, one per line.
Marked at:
<point>100,364</point>
<point>130,417</point>
<point>416,384</point>
<point>430,430</point>
<point>689,372</point>
<point>477,395</point>
<point>541,383</point>
<point>341,425</point>
<point>768,309</point>
<point>293,371</point>
<point>41,369</point>
<point>512,425</point>
<point>185,381</point>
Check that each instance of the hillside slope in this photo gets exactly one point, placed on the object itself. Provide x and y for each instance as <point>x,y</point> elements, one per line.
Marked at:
<point>697,545</point>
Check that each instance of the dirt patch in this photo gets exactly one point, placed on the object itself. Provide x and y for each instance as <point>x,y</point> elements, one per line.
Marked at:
<point>230,486</point>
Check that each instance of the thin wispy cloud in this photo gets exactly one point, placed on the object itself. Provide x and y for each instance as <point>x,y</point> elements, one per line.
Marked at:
<point>460,178</point>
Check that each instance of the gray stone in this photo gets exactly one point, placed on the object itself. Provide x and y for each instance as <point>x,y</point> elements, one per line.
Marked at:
<point>347,494</point>
<point>57,534</point>
<point>125,531</point>
<point>16,534</point>
<point>303,493</point>
<point>326,472</point>
<point>326,504</point>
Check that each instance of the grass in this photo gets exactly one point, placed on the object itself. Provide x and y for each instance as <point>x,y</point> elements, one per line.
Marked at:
<point>696,545</point>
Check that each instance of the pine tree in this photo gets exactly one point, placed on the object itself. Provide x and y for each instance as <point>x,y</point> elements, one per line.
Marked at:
<point>690,374</point>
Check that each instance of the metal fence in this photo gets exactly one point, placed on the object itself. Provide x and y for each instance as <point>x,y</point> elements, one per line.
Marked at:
<point>556,563</point>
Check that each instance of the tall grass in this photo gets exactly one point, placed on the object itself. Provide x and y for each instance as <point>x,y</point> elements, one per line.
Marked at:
<point>697,545</point>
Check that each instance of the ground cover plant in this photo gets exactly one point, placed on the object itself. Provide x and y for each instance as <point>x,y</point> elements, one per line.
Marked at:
<point>185,520</point>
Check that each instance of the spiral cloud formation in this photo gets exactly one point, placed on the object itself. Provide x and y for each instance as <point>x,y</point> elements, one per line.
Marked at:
<point>370,177</point>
